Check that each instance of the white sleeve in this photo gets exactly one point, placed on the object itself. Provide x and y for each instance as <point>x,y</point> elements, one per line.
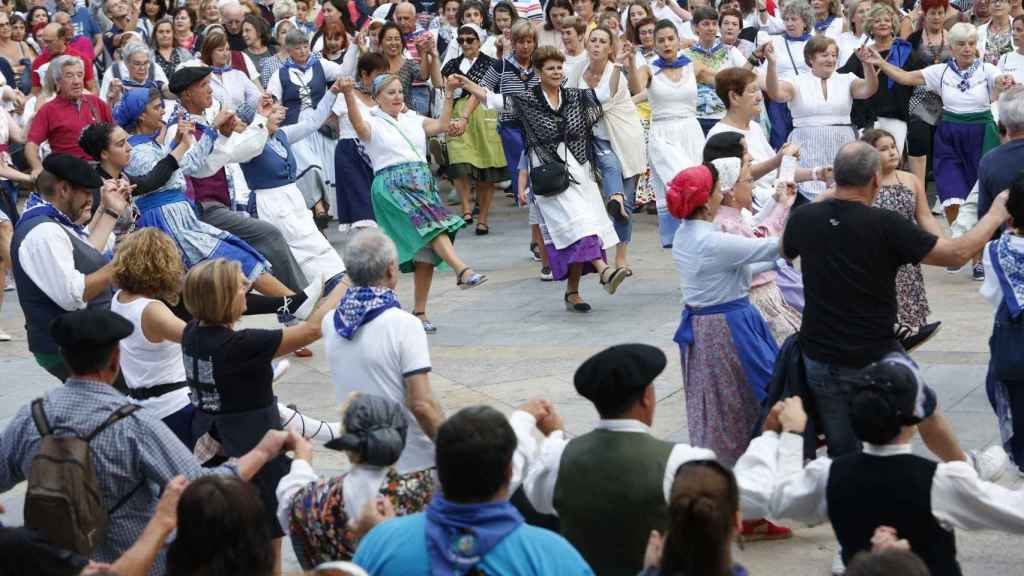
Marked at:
<point>523,424</point>
<point>300,476</point>
<point>108,77</point>
<point>274,87</point>
<point>413,348</point>
<point>47,257</point>
<point>350,61</point>
<point>250,68</point>
<point>159,76</point>
<point>801,495</point>
<point>759,467</point>
<point>933,77</point>
<point>312,123</point>
<point>332,71</point>
<point>681,454</point>
<point>539,486</point>
<point>494,101</point>
<point>991,291</point>
<point>236,148</point>
<point>775,25</point>
<point>736,57</point>
<point>962,500</point>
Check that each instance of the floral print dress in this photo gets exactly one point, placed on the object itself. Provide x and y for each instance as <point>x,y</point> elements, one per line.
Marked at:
<point>912,301</point>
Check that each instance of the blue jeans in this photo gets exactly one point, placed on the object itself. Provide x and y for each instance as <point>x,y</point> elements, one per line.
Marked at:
<point>419,96</point>
<point>512,143</point>
<point>831,385</point>
<point>612,183</point>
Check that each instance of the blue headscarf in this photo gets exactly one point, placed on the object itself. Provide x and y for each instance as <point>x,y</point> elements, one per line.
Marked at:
<point>130,108</point>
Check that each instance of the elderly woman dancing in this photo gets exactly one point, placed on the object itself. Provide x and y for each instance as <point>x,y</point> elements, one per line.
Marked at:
<point>558,125</point>
<point>405,198</point>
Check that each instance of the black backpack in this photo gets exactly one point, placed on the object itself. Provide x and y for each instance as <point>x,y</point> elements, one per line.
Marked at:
<point>64,501</point>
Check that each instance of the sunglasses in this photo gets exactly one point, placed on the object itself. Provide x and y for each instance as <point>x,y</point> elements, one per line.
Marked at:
<point>466,40</point>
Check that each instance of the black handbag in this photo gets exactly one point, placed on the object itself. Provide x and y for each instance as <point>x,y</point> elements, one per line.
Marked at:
<point>550,179</point>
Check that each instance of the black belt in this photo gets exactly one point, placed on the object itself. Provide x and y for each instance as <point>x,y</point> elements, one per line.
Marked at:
<point>154,391</point>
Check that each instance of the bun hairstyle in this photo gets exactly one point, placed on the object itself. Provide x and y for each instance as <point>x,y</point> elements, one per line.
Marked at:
<point>874,415</point>
<point>95,138</point>
<point>702,520</point>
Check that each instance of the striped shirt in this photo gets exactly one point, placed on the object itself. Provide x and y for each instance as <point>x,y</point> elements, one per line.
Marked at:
<point>507,78</point>
<point>532,10</point>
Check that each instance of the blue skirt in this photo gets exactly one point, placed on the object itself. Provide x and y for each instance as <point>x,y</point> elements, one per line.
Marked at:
<point>354,177</point>
<point>172,212</point>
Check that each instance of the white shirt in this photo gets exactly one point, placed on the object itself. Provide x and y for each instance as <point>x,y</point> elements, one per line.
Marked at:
<point>715,267</point>
<point>789,58</point>
<point>810,105</point>
<point>234,89</point>
<point>340,109</point>
<point>239,147</point>
<point>959,499</point>
<point>377,360</point>
<point>1013,63</point>
<point>992,290</point>
<point>664,12</point>
<point>760,151</point>
<point>755,470</point>
<point>395,141</point>
<point>47,257</point>
<point>941,79</point>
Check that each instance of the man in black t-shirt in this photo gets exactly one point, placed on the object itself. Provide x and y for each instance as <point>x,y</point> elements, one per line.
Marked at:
<point>849,253</point>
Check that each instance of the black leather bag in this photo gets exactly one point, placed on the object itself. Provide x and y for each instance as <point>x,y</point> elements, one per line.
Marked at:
<point>549,179</point>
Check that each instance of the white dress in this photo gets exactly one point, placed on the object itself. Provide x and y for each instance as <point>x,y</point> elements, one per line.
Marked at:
<point>676,140</point>
<point>821,126</point>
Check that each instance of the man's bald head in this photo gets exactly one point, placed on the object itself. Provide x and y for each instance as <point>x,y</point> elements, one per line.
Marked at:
<point>405,17</point>
<point>856,164</point>
<point>232,15</point>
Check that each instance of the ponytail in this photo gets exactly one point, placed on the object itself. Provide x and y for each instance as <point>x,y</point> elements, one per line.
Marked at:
<point>702,512</point>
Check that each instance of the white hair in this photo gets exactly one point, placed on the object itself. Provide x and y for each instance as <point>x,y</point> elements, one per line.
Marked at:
<point>367,257</point>
<point>284,9</point>
<point>962,32</point>
<point>132,48</point>
<point>1011,109</point>
<point>58,64</point>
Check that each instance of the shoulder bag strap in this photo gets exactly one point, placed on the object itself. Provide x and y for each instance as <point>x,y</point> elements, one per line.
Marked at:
<point>39,417</point>
<point>120,413</point>
<point>796,70</point>
<point>404,137</point>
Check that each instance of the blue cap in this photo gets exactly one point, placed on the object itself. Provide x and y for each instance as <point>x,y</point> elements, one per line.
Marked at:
<point>132,105</point>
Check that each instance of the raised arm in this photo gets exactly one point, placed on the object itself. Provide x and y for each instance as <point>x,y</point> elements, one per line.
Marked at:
<point>436,126</point>
<point>778,90</point>
<point>957,251</point>
<point>355,117</point>
<point>870,56</point>
<point>639,77</point>
<point>864,88</point>
<point>308,331</point>
<point>303,128</point>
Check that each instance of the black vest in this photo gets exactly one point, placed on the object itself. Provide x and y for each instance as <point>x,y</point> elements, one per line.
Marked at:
<point>38,308</point>
<point>866,491</point>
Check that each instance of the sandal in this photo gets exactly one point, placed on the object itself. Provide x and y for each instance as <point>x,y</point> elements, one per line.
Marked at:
<point>473,281</point>
<point>482,229</point>
<point>581,306</point>
<point>321,214</point>
<point>611,283</point>
<point>467,217</point>
<point>629,271</point>
<point>428,326</point>
<point>616,209</point>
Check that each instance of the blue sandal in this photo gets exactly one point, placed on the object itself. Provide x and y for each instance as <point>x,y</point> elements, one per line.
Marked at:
<point>428,326</point>
<point>472,281</point>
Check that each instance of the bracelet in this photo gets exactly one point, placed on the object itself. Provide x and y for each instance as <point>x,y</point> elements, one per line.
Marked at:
<point>111,213</point>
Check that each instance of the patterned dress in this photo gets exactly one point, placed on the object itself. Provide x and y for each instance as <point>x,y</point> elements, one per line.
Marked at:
<point>912,301</point>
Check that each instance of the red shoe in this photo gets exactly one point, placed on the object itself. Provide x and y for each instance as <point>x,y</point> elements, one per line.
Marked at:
<point>304,353</point>
<point>761,529</point>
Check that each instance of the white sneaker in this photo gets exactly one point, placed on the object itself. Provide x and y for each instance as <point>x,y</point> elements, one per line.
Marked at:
<point>9,283</point>
<point>364,224</point>
<point>990,463</point>
<point>4,336</point>
<point>313,293</point>
<point>838,568</point>
<point>343,228</point>
<point>280,367</point>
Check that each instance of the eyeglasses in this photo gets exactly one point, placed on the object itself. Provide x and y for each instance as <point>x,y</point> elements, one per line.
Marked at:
<point>466,40</point>
<point>137,64</point>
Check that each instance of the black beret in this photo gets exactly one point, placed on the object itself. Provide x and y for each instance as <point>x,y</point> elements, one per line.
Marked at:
<point>898,379</point>
<point>186,76</point>
<point>72,169</point>
<point>617,372</point>
<point>83,329</point>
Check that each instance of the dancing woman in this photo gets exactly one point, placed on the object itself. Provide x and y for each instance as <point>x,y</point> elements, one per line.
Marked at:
<point>676,138</point>
<point>405,198</point>
<point>558,124</point>
<point>354,207</point>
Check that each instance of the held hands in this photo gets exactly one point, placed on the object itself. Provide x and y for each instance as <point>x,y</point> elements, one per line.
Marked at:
<point>167,508</point>
<point>785,192</point>
<point>544,413</point>
<point>302,448</point>
<point>186,132</point>
<point>457,127</point>
<point>114,194</point>
<point>225,122</point>
<point>655,546</point>
<point>627,54</point>
<point>266,105</point>
<point>768,52</point>
<point>999,206</point>
<point>885,538</point>
<point>453,82</point>
<point>789,149</point>
<point>792,418</point>
<point>869,55</point>
<point>343,86</point>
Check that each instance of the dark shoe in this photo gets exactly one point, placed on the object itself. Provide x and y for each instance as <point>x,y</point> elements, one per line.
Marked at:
<point>546,275</point>
<point>581,306</point>
<point>482,229</point>
<point>911,339</point>
<point>467,218</point>
<point>978,274</point>
<point>534,252</point>
<point>428,326</point>
<point>616,210</point>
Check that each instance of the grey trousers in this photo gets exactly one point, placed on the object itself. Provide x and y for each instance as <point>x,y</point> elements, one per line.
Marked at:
<point>263,236</point>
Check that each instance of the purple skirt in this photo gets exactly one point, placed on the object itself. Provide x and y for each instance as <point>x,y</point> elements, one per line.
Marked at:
<point>957,150</point>
<point>585,250</point>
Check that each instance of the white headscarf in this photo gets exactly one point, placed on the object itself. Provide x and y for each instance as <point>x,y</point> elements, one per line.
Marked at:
<point>728,173</point>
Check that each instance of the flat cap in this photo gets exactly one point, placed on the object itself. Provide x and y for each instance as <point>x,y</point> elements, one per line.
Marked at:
<point>89,328</point>
<point>613,374</point>
<point>375,428</point>
<point>186,76</point>
<point>898,378</point>
<point>72,169</point>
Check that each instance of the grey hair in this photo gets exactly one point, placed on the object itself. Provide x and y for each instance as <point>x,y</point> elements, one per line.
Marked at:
<point>284,9</point>
<point>367,257</point>
<point>856,164</point>
<point>295,37</point>
<point>132,48</point>
<point>803,10</point>
<point>962,32</point>
<point>58,64</point>
<point>1011,109</point>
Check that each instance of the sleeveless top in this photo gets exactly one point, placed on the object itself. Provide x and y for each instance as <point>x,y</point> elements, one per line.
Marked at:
<point>146,364</point>
<point>673,100</point>
<point>898,198</point>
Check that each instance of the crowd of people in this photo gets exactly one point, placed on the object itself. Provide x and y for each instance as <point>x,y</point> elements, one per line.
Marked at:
<point>169,167</point>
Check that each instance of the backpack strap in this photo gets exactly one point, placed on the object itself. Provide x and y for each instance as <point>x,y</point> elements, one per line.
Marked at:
<point>39,417</point>
<point>118,414</point>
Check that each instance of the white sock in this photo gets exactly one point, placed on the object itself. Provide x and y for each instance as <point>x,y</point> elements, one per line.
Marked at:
<point>308,428</point>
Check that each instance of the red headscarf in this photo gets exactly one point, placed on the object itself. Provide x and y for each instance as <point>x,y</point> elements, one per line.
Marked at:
<point>688,191</point>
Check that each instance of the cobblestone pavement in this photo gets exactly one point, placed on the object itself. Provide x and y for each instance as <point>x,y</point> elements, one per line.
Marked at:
<point>512,339</point>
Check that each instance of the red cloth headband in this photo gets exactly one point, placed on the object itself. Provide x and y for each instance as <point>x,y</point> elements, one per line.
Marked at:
<point>688,191</point>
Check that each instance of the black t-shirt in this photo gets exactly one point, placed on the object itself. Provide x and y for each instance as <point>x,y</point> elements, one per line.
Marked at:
<point>228,370</point>
<point>849,254</point>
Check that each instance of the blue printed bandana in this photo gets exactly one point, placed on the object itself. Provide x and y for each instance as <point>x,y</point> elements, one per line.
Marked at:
<point>359,306</point>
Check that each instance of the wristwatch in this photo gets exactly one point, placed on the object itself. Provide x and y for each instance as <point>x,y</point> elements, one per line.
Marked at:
<point>111,213</point>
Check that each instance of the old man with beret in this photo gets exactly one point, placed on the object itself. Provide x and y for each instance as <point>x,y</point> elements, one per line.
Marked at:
<point>610,486</point>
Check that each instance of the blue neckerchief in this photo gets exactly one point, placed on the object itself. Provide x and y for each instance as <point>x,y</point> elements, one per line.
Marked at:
<point>140,139</point>
<point>802,38</point>
<point>965,75</point>
<point>707,52</point>
<point>147,83</point>
<point>36,206</point>
<point>221,69</point>
<point>1008,267</point>
<point>679,62</point>
<point>313,59</point>
<point>460,535</point>
<point>359,306</point>
<point>899,52</point>
<point>823,25</point>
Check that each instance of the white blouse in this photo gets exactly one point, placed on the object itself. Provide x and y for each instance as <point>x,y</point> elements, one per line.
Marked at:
<point>395,141</point>
<point>942,80</point>
<point>811,107</point>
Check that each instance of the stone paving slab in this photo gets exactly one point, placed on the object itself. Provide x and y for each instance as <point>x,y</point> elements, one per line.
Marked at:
<point>511,339</point>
